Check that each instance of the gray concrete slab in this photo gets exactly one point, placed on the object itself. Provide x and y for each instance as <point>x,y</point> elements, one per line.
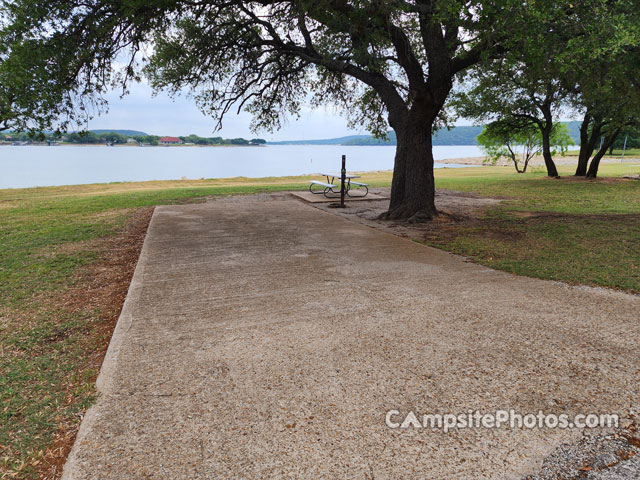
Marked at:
<point>269,340</point>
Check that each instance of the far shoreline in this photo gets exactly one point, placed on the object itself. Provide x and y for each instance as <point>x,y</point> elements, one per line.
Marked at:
<point>58,144</point>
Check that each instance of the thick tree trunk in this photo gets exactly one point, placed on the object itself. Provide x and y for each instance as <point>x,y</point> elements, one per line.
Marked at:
<point>552,171</point>
<point>588,142</point>
<point>584,155</point>
<point>412,187</point>
<point>595,163</point>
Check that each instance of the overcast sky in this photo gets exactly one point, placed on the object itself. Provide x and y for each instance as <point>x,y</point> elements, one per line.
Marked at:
<point>160,115</point>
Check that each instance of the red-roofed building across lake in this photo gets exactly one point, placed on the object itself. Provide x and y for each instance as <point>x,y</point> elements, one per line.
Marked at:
<point>169,141</point>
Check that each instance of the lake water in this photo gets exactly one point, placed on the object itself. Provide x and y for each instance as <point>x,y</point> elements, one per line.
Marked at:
<point>32,166</point>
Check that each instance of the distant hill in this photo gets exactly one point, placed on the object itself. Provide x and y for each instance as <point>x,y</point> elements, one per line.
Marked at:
<point>574,131</point>
<point>121,132</point>
<point>463,135</point>
<point>455,136</point>
<point>327,141</point>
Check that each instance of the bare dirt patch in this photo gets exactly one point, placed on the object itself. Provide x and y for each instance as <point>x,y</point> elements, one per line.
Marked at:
<point>102,287</point>
<point>456,209</point>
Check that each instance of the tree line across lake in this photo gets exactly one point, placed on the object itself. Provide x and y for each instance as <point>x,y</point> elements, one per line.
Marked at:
<point>115,138</point>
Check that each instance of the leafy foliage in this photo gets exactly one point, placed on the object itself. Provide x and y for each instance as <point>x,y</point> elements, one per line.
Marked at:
<point>580,57</point>
<point>627,139</point>
<point>267,56</point>
<point>520,143</point>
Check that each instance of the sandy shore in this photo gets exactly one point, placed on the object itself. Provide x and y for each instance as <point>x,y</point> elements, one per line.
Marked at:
<point>536,161</point>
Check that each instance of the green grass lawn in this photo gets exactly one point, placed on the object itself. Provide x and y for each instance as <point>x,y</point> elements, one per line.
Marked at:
<point>536,192</point>
<point>629,152</point>
<point>571,230</point>
<point>584,232</point>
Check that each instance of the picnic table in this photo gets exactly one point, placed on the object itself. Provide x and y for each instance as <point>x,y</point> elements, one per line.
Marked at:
<point>333,182</point>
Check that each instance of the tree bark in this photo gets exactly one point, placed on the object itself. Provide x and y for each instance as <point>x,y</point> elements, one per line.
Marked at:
<point>552,171</point>
<point>587,142</point>
<point>527,159</point>
<point>412,187</point>
<point>515,160</point>
<point>595,163</point>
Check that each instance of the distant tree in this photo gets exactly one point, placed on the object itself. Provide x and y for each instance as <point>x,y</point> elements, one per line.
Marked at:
<point>113,137</point>
<point>84,137</point>
<point>18,136</point>
<point>498,141</point>
<point>606,93</point>
<point>521,88</point>
<point>600,73</point>
<point>618,108</point>
<point>628,138</point>
<point>581,55</point>
<point>198,140</point>
<point>239,141</point>
<point>151,139</point>
<point>508,95</point>
<point>258,141</point>
<point>561,139</point>
<point>520,142</point>
<point>195,139</point>
<point>146,139</point>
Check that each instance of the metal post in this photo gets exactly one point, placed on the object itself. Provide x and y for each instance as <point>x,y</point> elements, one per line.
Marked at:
<point>343,174</point>
<point>624,147</point>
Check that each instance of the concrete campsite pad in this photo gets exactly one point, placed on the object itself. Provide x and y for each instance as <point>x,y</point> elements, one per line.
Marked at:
<point>270,339</point>
<point>307,196</point>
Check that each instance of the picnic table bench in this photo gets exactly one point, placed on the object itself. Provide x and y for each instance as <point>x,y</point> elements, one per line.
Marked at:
<point>331,184</point>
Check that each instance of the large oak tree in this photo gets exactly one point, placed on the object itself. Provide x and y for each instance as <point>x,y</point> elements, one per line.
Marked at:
<point>386,63</point>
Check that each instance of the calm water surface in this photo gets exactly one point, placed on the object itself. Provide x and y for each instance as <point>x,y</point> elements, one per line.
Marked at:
<point>32,166</point>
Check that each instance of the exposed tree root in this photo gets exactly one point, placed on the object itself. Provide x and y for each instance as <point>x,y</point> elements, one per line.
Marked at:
<point>452,216</point>
<point>408,214</point>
